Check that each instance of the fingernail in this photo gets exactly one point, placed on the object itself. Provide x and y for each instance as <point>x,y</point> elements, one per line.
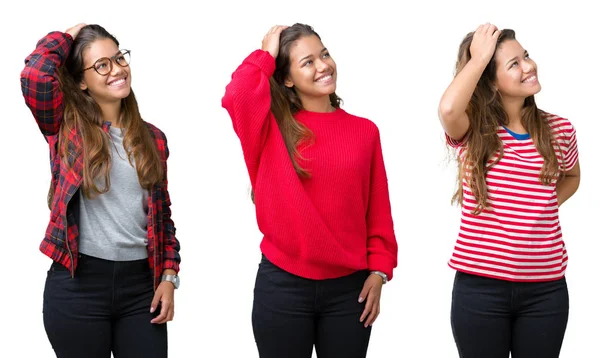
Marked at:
<point>360,299</point>
<point>152,309</point>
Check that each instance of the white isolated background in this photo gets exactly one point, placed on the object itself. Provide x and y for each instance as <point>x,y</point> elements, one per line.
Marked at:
<point>394,61</point>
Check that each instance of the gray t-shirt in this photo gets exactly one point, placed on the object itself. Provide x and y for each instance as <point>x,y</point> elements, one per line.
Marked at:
<point>113,226</point>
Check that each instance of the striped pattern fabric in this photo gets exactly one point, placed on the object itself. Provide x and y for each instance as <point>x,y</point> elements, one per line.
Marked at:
<point>518,237</point>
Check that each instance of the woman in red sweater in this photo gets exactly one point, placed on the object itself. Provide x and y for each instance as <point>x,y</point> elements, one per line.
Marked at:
<point>517,165</point>
<point>321,195</point>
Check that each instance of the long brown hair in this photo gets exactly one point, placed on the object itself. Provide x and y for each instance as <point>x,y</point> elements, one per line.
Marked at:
<point>284,100</point>
<point>83,114</point>
<point>486,113</point>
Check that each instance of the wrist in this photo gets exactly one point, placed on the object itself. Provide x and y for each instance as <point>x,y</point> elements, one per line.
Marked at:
<point>479,63</point>
<point>170,276</point>
<point>384,277</point>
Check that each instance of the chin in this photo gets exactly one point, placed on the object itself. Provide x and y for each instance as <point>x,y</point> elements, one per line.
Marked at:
<point>123,93</point>
<point>329,90</point>
<point>533,92</point>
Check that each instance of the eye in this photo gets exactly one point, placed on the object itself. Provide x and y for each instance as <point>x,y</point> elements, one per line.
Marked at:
<point>309,62</point>
<point>514,64</point>
<point>326,55</point>
<point>527,57</point>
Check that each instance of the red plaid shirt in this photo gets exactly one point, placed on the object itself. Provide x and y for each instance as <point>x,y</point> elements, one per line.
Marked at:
<point>42,95</point>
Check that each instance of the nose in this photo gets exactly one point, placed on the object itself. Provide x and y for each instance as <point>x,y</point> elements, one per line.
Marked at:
<point>528,66</point>
<point>322,66</point>
<point>115,69</point>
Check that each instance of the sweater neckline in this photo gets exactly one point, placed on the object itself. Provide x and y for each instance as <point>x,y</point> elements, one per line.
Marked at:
<point>308,115</point>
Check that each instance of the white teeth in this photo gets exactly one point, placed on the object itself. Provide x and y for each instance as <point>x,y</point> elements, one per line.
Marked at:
<point>117,82</point>
<point>325,78</point>
<point>530,79</point>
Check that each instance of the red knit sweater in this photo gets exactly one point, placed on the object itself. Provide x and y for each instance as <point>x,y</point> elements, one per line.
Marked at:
<point>334,223</point>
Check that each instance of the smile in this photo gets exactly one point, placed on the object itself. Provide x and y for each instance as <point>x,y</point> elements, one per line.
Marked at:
<point>118,82</point>
<point>530,79</point>
<point>325,78</point>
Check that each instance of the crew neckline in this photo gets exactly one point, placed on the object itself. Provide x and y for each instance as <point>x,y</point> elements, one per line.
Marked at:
<point>517,136</point>
<point>305,114</point>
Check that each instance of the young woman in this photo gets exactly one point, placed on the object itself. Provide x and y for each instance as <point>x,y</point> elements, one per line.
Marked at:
<point>111,238</point>
<point>321,195</point>
<point>517,165</point>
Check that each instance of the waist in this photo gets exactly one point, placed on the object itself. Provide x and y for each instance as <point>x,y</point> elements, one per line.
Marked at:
<point>316,263</point>
<point>87,263</point>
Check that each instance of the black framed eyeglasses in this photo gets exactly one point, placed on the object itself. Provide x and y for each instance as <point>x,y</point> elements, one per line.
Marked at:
<point>103,66</point>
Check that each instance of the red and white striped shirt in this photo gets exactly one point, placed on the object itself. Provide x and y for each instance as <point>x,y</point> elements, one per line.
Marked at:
<point>518,237</point>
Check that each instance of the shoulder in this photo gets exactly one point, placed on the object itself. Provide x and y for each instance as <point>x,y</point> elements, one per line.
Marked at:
<point>155,131</point>
<point>558,124</point>
<point>160,139</point>
<point>361,123</point>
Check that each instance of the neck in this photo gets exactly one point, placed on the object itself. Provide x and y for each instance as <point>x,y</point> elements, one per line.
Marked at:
<point>111,112</point>
<point>513,108</point>
<point>320,104</point>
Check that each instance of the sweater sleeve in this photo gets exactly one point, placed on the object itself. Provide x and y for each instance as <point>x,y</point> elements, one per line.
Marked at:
<point>39,82</point>
<point>247,99</point>
<point>382,248</point>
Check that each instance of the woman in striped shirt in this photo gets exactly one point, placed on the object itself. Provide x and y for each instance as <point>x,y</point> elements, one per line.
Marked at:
<point>517,165</point>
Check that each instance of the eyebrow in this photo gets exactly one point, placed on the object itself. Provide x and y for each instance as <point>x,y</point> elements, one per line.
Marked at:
<point>514,58</point>
<point>110,57</point>
<point>309,56</point>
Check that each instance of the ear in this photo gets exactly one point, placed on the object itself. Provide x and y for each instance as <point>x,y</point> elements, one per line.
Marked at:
<point>288,82</point>
<point>494,86</point>
<point>83,86</point>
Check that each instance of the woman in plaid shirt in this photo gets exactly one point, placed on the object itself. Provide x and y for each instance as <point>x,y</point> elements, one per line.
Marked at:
<point>111,238</point>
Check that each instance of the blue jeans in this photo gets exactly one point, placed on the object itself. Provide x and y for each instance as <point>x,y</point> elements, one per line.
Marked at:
<point>291,314</point>
<point>491,317</point>
<point>105,308</point>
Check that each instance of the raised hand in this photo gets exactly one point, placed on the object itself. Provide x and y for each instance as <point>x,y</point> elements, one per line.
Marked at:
<point>484,42</point>
<point>270,42</point>
<point>74,31</point>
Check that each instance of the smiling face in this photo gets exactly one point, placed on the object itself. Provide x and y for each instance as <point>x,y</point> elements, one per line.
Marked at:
<point>312,71</point>
<point>112,87</point>
<point>516,72</point>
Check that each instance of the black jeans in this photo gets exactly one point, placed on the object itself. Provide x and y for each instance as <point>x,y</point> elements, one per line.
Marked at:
<point>105,308</point>
<point>291,314</point>
<point>491,317</point>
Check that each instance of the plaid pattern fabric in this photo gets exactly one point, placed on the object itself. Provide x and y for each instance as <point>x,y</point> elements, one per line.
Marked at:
<point>42,95</point>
